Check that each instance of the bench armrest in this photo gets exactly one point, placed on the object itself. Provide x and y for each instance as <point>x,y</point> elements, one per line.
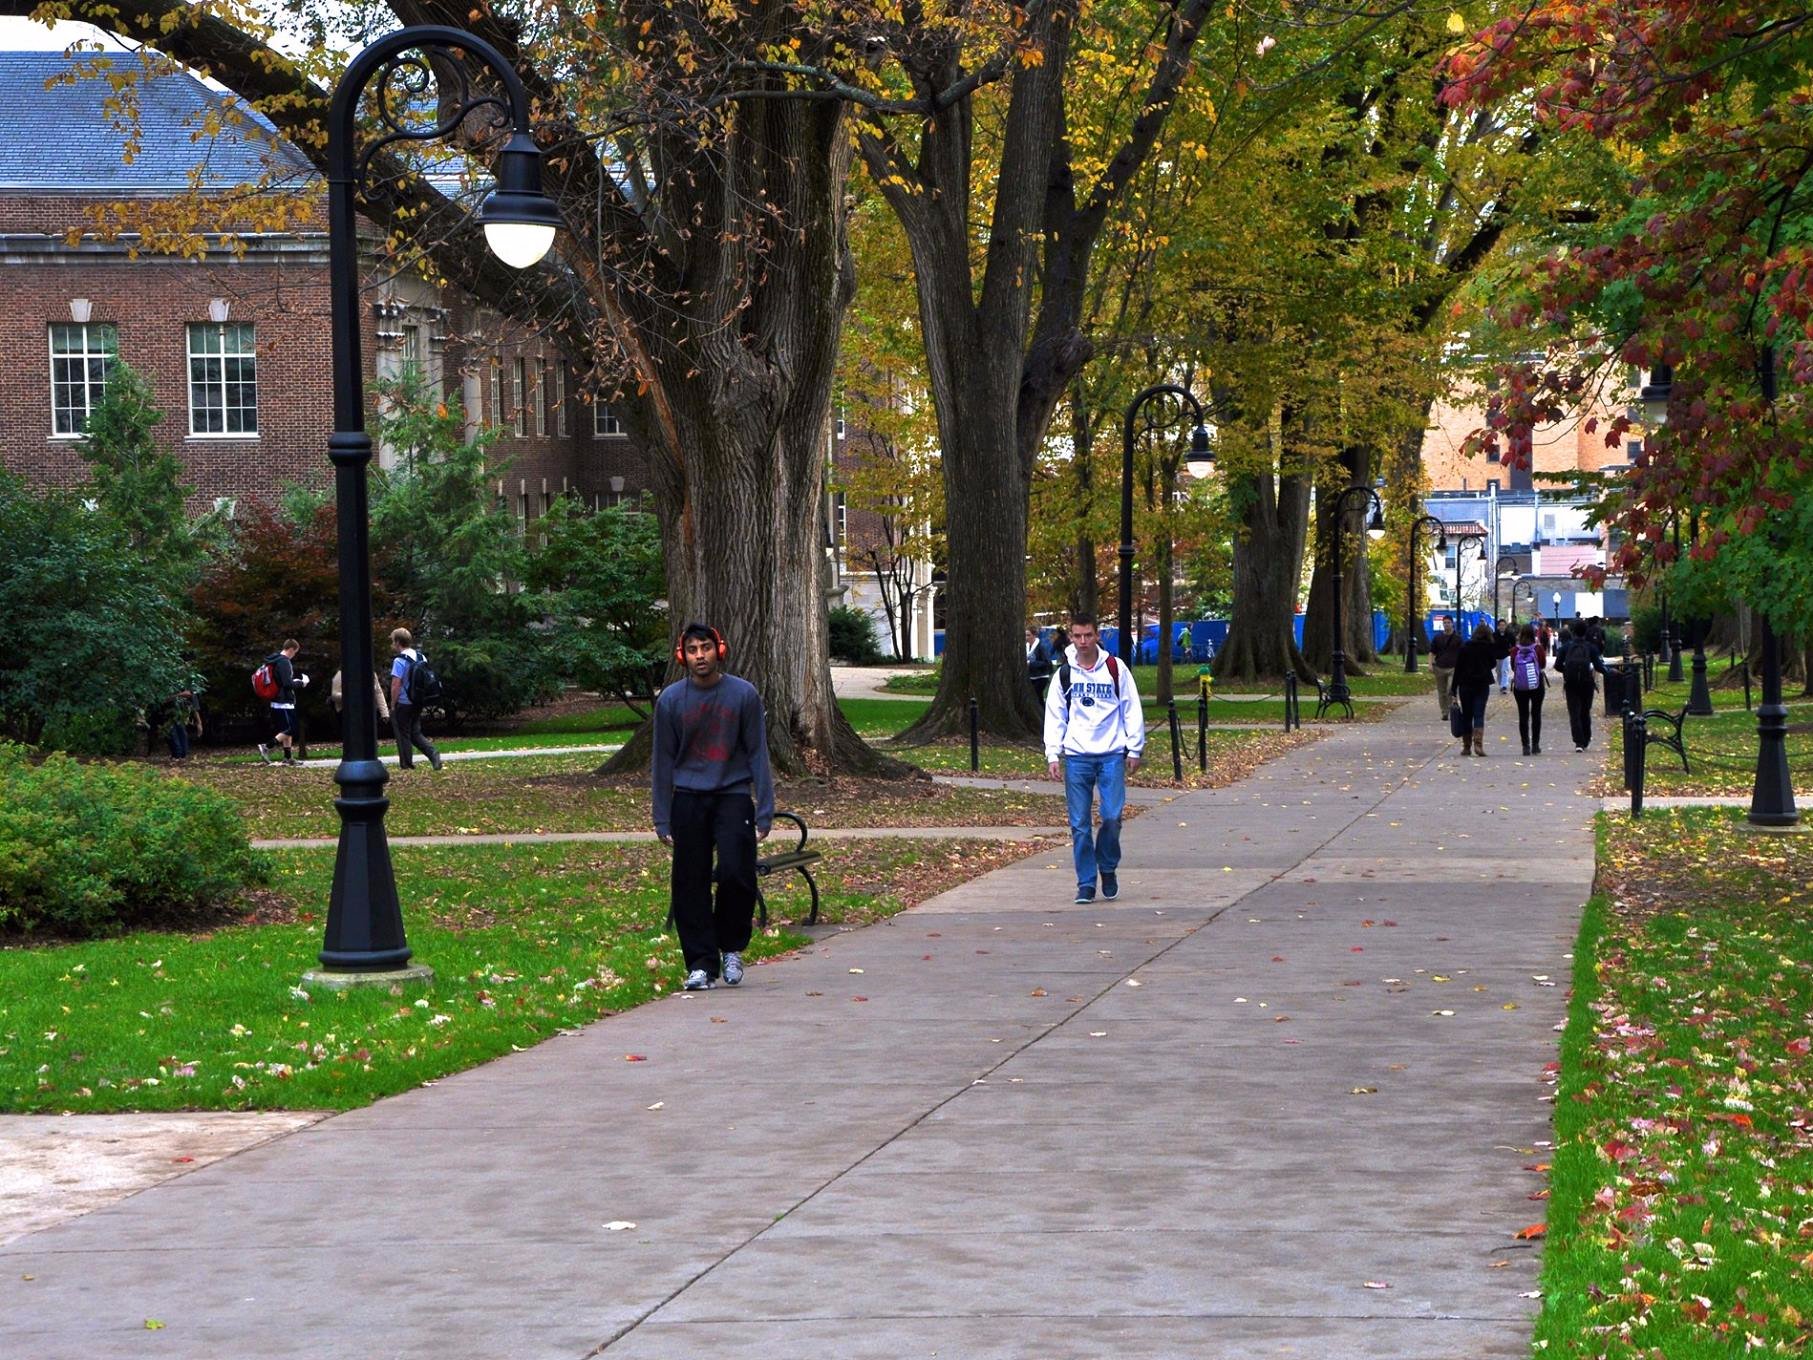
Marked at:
<point>798,821</point>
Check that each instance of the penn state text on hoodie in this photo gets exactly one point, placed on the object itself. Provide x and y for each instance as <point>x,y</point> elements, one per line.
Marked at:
<point>1103,715</point>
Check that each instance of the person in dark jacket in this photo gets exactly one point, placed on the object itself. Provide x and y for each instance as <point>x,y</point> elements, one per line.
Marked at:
<point>1577,658</point>
<point>283,707</point>
<point>1038,664</point>
<point>1442,657</point>
<point>1475,669</point>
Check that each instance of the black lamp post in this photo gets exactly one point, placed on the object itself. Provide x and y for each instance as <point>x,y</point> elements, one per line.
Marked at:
<point>1772,795</point>
<point>1460,546</point>
<point>364,918</point>
<point>1410,620</point>
<point>1506,571</point>
<point>1699,698</point>
<point>1672,621</point>
<point>1338,692</point>
<point>1200,457</point>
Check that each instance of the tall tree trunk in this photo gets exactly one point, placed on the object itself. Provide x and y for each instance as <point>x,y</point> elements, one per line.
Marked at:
<point>1356,573</point>
<point>736,420</point>
<point>1268,564</point>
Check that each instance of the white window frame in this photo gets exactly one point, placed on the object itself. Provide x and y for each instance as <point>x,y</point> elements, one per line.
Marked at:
<point>604,424</point>
<point>560,399</point>
<point>89,354</point>
<point>245,334</point>
<point>519,382</point>
<point>541,398</point>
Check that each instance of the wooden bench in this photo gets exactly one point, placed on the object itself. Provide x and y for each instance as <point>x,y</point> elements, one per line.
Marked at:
<point>798,859</point>
<point>1674,739</point>
<point>1324,701</point>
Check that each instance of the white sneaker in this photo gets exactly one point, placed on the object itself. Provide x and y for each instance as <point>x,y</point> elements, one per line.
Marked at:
<point>733,969</point>
<point>698,981</point>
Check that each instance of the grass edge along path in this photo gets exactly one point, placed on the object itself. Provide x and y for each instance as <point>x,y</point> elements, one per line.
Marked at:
<point>527,942</point>
<point>1680,1222</point>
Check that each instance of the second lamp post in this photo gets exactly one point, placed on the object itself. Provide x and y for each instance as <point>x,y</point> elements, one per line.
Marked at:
<point>1200,457</point>
<point>1338,692</point>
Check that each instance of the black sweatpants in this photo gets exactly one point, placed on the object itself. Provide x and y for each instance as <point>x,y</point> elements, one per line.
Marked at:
<point>702,823</point>
<point>1580,712</point>
<point>1529,715</point>
<point>406,722</point>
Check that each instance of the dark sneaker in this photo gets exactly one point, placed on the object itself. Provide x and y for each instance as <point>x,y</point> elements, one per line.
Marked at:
<point>699,981</point>
<point>1085,895</point>
<point>435,764</point>
<point>1111,886</point>
<point>264,753</point>
<point>733,968</point>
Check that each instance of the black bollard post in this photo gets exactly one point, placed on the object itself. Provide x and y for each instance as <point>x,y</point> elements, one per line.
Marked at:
<point>975,747</point>
<point>1176,741</point>
<point>1628,715</point>
<point>1638,747</point>
<point>1746,684</point>
<point>1202,731</point>
<point>1290,698</point>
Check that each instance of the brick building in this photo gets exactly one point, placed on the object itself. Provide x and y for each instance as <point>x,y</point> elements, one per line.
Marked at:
<point>236,341</point>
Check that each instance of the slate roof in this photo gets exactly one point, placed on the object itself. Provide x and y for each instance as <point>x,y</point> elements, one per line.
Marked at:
<point>76,144</point>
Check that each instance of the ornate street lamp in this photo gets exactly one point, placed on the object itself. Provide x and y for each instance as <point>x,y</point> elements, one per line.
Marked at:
<point>1460,546</point>
<point>1507,571</point>
<point>1338,692</point>
<point>1199,460</point>
<point>1772,795</point>
<point>1413,631</point>
<point>365,940</point>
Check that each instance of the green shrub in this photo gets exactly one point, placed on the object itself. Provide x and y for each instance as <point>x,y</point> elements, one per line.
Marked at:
<point>853,636</point>
<point>88,849</point>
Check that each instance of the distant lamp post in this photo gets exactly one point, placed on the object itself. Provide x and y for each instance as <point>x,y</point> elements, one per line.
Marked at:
<point>365,940</point>
<point>1507,571</point>
<point>1199,460</point>
<point>1413,631</point>
<point>1338,693</point>
<point>1772,795</point>
<point>1555,602</point>
<point>1699,699</point>
<point>1460,547</point>
<point>1654,397</point>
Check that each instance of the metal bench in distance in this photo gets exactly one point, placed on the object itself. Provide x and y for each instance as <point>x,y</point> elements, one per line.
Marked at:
<point>1324,701</point>
<point>798,859</point>
<point>1675,739</point>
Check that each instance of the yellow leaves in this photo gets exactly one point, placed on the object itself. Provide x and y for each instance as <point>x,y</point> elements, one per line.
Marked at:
<point>1457,22</point>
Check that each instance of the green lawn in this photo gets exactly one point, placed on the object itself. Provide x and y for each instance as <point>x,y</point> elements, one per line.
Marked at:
<point>525,942</point>
<point>1681,1194</point>
<point>562,793</point>
<point>1721,749</point>
<point>1388,680</point>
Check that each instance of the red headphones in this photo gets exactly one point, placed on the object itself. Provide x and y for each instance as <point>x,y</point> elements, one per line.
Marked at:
<point>716,636</point>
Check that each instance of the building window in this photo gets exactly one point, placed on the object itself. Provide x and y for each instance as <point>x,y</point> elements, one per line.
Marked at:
<point>223,380</point>
<point>412,349</point>
<point>560,399</point>
<point>840,422</point>
<point>604,422</point>
<point>540,399</point>
<point>1633,449</point>
<point>80,359</point>
<point>843,520</point>
<point>519,396</point>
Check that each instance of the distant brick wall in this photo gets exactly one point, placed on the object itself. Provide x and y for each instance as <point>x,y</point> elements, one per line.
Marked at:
<point>1562,447</point>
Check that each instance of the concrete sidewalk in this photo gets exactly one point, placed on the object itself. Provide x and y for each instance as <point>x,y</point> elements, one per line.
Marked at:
<point>1278,1100</point>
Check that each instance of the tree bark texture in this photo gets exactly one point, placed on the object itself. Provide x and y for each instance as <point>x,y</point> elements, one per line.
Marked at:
<point>1268,564</point>
<point>1355,469</point>
<point>1085,589</point>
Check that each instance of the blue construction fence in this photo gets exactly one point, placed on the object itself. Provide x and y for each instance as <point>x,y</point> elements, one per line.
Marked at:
<point>1190,641</point>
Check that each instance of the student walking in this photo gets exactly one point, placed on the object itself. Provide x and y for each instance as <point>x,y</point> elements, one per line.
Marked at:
<point>1529,678</point>
<point>1095,726</point>
<point>408,683</point>
<point>713,791</point>
<point>1473,675</point>
<point>1577,658</point>
<point>1038,663</point>
<point>277,680</point>
<point>1442,656</point>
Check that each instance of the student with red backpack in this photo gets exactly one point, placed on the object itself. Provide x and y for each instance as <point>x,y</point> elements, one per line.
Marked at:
<point>1529,666</point>
<point>1094,724</point>
<point>276,682</point>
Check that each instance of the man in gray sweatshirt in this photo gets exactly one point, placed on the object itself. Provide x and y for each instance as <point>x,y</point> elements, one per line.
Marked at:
<point>712,791</point>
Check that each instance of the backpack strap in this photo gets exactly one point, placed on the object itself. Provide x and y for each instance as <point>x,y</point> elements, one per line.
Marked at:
<point>1064,683</point>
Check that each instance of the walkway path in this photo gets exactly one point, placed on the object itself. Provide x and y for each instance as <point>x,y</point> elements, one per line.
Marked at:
<point>783,837</point>
<point>1278,1100</point>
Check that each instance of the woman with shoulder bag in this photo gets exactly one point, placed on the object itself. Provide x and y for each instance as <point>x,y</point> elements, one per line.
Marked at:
<point>1529,665</point>
<point>1475,671</point>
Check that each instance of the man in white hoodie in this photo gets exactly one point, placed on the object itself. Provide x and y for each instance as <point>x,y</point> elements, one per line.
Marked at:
<point>1094,724</point>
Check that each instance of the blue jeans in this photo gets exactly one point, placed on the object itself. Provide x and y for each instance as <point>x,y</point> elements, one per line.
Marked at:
<point>1473,706</point>
<point>1095,850</point>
